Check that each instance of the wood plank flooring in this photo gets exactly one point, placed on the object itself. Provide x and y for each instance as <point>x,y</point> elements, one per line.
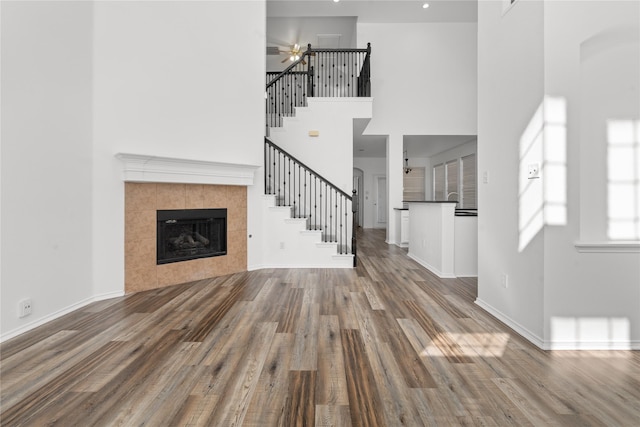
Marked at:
<point>385,344</point>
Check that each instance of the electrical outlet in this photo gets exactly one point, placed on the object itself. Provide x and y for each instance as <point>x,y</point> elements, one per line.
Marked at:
<point>504,279</point>
<point>24,307</point>
<point>281,245</point>
<point>534,170</point>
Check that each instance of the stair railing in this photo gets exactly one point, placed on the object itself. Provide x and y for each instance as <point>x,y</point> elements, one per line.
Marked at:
<point>325,206</point>
<point>318,73</point>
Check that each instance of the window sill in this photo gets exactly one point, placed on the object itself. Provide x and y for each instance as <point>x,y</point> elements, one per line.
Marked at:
<point>608,247</point>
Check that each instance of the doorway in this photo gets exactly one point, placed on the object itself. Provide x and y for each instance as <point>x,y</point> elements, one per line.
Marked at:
<point>380,200</point>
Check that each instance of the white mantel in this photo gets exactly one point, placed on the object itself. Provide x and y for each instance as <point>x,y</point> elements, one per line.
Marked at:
<point>147,168</point>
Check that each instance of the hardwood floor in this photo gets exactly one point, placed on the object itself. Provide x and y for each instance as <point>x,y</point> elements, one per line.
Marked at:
<point>386,344</point>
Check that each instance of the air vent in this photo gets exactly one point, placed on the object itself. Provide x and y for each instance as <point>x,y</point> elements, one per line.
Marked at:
<point>273,50</point>
<point>331,41</point>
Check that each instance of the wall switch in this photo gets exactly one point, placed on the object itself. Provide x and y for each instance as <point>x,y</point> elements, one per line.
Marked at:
<point>504,279</point>
<point>534,170</point>
<point>485,177</point>
<point>281,245</point>
<point>24,307</point>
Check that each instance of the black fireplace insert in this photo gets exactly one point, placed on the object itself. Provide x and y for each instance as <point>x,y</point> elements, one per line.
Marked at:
<point>185,234</point>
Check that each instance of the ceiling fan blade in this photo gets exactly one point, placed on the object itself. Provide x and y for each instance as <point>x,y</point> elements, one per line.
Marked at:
<point>284,60</point>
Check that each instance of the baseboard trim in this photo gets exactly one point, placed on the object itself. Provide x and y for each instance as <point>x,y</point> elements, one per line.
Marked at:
<point>592,346</point>
<point>48,318</point>
<point>267,266</point>
<point>431,268</point>
<point>557,345</point>
<point>521,330</point>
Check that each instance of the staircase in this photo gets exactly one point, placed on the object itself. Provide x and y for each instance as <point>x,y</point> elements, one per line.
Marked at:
<point>309,220</point>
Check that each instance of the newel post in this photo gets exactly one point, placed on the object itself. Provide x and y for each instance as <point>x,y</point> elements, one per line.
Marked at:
<point>354,211</point>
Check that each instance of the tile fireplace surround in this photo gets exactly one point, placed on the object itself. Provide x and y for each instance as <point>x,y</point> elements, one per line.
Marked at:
<point>142,200</point>
<point>155,183</point>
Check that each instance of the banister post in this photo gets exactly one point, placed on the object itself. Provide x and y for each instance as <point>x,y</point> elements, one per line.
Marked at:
<point>310,72</point>
<point>310,81</point>
<point>354,211</point>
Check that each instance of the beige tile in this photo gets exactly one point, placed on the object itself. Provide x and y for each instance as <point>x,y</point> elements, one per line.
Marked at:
<point>215,196</point>
<point>236,219</point>
<point>140,253</point>
<point>180,272</point>
<point>217,266</point>
<point>171,196</point>
<point>140,224</point>
<point>194,196</point>
<point>140,279</point>
<point>238,196</point>
<point>168,274</point>
<point>237,251</point>
<point>139,196</point>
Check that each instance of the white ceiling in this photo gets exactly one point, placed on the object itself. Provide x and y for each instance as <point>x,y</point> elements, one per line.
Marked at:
<point>301,21</point>
<point>376,11</point>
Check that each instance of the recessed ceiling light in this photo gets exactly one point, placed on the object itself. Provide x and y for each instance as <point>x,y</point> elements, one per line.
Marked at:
<point>336,1</point>
<point>426,5</point>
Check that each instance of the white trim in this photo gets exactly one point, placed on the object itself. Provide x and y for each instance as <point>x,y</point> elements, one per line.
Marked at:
<point>59,313</point>
<point>608,247</point>
<point>518,328</point>
<point>431,268</point>
<point>593,345</point>
<point>556,345</point>
<point>148,168</point>
<point>312,100</point>
<point>292,266</point>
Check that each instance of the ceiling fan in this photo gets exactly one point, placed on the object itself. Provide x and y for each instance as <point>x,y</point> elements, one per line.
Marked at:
<point>293,54</point>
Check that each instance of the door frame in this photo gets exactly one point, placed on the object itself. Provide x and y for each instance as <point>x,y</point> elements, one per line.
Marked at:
<point>376,181</point>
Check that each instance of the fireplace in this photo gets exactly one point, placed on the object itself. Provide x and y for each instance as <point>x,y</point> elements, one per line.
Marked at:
<point>185,234</point>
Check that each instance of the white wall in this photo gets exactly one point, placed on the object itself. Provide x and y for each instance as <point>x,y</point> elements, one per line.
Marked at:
<point>82,81</point>
<point>46,158</point>
<point>592,300</point>
<point>371,166</point>
<point>557,296</point>
<point>432,93</point>
<point>164,85</point>
<point>330,153</point>
<point>510,89</point>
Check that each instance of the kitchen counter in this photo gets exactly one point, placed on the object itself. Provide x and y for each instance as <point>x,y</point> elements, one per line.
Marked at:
<point>443,239</point>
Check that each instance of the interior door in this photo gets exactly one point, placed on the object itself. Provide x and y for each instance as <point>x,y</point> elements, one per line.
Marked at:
<point>381,200</point>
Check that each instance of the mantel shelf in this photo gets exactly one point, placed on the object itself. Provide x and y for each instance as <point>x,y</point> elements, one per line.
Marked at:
<point>148,168</point>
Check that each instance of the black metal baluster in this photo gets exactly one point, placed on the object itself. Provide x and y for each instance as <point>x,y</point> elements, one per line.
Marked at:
<point>278,181</point>
<point>330,217</point>
<point>342,201</point>
<point>299,185</point>
<point>336,216</point>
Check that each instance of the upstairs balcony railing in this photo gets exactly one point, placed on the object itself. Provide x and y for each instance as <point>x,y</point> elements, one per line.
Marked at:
<point>318,73</point>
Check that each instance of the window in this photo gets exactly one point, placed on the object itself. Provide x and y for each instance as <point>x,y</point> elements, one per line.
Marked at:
<point>457,180</point>
<point>469,182</point>
<point>439,177</point>
<point>413,185</point>
<point>452,181</point>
